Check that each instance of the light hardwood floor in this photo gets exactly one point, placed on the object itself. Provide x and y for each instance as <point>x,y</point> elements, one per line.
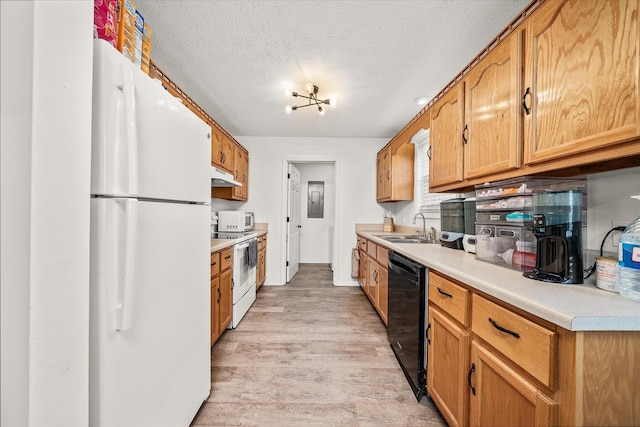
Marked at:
<point>310,354</point>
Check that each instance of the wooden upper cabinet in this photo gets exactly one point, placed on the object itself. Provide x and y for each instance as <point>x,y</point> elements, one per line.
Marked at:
<point>216,146</point>
<point>383,174</point>
<point>227,155</point>
<point>581,80</point>
<point>394,172</point>
<point>240,173</point>
<point>492,134</point>
<point>447,118</point>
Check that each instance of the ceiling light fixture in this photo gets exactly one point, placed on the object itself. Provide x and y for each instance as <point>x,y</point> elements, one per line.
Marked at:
<point>421,100</point>
<point>312,90</point>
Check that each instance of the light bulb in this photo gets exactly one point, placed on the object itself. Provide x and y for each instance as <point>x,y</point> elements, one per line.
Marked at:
<point>321,111</point>
<point>288,92</point>
<point>288,109</point>
<point>308,87</point>
<point>333,102</point>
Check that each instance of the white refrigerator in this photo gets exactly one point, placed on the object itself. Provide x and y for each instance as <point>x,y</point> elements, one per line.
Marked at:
<point>150,251</point>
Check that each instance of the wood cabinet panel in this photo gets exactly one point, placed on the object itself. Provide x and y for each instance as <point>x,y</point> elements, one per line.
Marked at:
<point>215,264</point>
<point>447,118</point>
<point>502,397</point>
<point>382,300</point>
<point>215,301</point>
<point>529,345</point>
<point>372,279</point>
<point>450,297</point>
<point>492,135</point>
<point>582,73</point>
<point>447,365</point>
<point>383,175</point>
<point>226,299</point>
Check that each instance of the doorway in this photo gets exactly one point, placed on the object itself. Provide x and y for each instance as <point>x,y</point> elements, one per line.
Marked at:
<point>311,219</point>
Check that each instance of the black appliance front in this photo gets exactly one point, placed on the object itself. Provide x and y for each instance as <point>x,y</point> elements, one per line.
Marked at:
<point>406,319</point>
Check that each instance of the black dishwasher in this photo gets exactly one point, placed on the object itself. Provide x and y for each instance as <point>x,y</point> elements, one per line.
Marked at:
<point>406,318</point>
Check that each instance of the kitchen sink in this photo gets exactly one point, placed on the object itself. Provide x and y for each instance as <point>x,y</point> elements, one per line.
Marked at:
<point>399,238</point>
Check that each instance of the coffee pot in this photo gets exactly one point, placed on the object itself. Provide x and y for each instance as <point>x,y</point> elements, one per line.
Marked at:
<point>557,226</point>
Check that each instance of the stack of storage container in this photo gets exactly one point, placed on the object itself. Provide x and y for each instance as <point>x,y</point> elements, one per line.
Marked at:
<point>504,215</point>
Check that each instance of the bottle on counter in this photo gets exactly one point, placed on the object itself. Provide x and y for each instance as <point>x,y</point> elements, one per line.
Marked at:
<point>629,261</point>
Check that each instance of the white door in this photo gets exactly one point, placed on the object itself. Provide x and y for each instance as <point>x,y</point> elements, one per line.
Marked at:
<point>149,353</point>
<point>293,222</point>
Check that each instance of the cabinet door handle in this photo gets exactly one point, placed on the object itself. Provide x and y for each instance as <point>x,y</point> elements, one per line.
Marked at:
<point>426,334</point>
<point>501,329</point>
<point>527,109</point>
<point>219,295</point>
<point>466,129</point>
<point>444,293</point>
<point>227,257</point>
<point>473,368</point>
<point>429,153</point>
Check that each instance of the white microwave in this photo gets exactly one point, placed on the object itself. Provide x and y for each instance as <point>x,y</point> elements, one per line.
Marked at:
<point>238,221</point>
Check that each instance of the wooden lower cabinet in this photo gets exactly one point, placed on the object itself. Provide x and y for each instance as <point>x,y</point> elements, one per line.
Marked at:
<point>221,292</point>
<point>373,275</point>
<point>448,363</point>
<point>524,370</point>
<point>500,396</point>
<point>261,273</point>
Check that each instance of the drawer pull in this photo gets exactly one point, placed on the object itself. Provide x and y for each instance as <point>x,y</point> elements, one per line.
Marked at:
<point>501,329</point>
<point>227,257</point>
<point>444,293</point>
<point>473,368</point>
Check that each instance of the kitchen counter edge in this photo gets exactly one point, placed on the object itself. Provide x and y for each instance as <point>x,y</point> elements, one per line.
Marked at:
<point>573,307</point>
<point>220,244</point>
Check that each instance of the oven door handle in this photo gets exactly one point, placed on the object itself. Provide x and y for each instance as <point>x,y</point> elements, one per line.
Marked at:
<point>241,246</point>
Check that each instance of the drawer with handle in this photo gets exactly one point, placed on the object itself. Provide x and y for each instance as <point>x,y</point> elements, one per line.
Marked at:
<point>215,263</point>
<point>450,297</point>
<point>226,258</point>
<point>526,343</point>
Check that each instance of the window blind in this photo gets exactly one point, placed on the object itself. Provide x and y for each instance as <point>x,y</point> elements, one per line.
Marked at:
<point>425,202</point>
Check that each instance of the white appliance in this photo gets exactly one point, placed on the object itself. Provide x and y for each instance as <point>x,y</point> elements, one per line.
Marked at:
<point>244,280</point>
<point>150,251</point>
<point>235,221</point>
<point>220,178</point>
<point>244,273</point>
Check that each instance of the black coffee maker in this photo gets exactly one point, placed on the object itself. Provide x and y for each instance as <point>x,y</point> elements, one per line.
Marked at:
<point>557,226</point>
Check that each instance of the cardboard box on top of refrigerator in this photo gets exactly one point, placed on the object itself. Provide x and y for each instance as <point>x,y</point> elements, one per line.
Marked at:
<point>105,21</point>
<point>126,27</point>
<point>146,48</point>
<point>137,43</point>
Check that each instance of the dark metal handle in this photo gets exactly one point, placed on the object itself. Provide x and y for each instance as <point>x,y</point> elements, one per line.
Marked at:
<point>219,295</point>
<point>227,257</point>
<point>473,368</point>
<point>426,334</point>
<point>444,293</point>
<point>464,138</point>
<point>429,153</point>
<point>214,263</point>
<point>501,329</point>
<point>527,110</point>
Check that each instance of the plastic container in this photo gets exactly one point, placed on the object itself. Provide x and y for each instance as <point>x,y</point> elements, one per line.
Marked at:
<point>629,261</point>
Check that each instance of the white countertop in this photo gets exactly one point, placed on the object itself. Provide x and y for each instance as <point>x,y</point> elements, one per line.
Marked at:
<point>573,307</point>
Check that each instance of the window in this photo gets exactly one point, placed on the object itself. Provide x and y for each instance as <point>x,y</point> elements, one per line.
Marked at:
<point>425,202</point>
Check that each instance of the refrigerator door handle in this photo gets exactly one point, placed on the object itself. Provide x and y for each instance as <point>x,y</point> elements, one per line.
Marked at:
<point>131,132</point>
<point>126,277</point>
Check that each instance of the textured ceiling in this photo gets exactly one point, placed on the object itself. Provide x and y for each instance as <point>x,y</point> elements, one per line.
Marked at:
<point>236,58</point>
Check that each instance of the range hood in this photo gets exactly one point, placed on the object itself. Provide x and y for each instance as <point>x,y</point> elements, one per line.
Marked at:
<point>220,178</point>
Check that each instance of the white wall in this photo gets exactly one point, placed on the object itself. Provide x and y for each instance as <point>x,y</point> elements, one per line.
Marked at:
<point>355,160</point>
<point>45,172</point>
<point>314,234</point>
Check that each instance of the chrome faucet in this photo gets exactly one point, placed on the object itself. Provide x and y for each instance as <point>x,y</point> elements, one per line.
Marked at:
<point>424,222</point>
